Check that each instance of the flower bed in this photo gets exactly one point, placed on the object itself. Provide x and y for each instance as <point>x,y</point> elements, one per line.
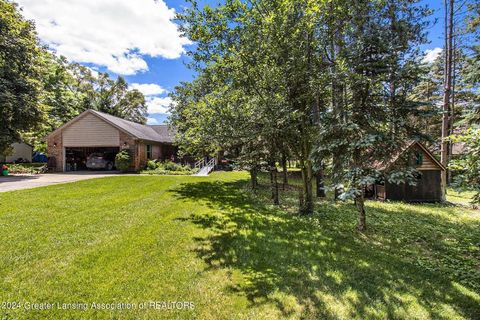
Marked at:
<point>26,168</point>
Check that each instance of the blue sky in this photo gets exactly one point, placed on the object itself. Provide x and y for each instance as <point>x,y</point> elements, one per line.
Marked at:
<point>137,39</point>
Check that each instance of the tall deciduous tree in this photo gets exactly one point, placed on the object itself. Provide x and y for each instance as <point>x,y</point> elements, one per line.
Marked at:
<point>268,52</point>
<point>19,75</point>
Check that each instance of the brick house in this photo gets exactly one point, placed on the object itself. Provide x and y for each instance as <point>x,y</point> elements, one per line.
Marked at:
<point>93,131</point>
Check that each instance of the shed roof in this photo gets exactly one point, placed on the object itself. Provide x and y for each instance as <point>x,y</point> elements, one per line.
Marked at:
<point>384,165</point>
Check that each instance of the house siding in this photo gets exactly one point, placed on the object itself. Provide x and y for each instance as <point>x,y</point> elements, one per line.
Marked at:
<point>90,131</point>
<point>428,187</point>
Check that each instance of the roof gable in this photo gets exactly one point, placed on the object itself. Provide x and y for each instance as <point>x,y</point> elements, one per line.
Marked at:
<point>385,165</point>
<point>136,130</point>
<point>430,155</point>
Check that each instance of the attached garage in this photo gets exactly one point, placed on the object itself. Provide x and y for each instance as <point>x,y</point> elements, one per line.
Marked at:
<point>96,132</point>
<point>76,157</point>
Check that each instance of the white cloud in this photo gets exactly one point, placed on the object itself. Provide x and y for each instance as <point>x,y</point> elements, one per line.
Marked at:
<point>159,105</point>
<point>148,89</point>
<point>152,121</point>
<point>431,55</point>
<point>111,33</point>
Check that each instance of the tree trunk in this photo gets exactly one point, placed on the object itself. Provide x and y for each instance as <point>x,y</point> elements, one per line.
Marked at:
<point>253,178</point>
<point>285,171</point>
<point>339,90</point>
<point>274,184</point>
<point>320,184</point>
<point>451,120</point>
<point>447,88</point>
<point>306,201</point>
<point>362,219</point>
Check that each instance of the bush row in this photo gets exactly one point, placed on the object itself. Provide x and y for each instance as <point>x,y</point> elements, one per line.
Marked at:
<point>167,167</point>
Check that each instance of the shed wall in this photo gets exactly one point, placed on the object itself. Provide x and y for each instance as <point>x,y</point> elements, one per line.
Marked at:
<point>20,150</point>
<point>428,189</point>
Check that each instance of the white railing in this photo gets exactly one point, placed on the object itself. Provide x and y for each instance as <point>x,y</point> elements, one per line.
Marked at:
<point>212,162</point>
<point>209,164</point>
<point>200,163</point>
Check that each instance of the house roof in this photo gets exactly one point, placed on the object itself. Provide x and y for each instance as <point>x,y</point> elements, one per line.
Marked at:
<point>157,133</point>
<point>166,132</point>
<point>139,131</point>
<point>384,165</point>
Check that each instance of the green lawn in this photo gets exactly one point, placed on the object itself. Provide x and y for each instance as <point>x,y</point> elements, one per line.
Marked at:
<point>211,241</point>
<point>463,198</point>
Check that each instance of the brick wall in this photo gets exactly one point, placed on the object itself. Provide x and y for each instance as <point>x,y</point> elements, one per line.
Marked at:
<point>129,143</point>
<point>141,156</point>
<point>55,150</point>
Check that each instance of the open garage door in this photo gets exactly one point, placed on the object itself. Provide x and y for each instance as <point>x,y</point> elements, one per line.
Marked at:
<point>76,157</point>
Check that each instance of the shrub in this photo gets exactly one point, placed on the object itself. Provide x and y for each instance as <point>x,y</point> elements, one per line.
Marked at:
<point>122,160</point>
<point>167,167</point>
<point>152,164</point>
<point>171,166</point>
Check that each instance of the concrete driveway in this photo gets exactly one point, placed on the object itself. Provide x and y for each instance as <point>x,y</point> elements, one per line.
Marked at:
<point>17,182</point>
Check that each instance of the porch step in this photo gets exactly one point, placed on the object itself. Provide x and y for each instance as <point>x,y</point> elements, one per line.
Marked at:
<point>204,171</point>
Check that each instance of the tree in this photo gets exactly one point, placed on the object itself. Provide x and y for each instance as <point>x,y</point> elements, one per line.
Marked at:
<point>468,166</point>
<point>272,63</point>
<point>19,76</point>
<point>59,98</point>
<point>114,97</point>
<point>448,50</point>
<point>380,66</point>
<point>68,89</point>
<point>286,75</point>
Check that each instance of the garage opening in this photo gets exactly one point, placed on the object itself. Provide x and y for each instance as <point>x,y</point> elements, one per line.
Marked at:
<point>90,158</point>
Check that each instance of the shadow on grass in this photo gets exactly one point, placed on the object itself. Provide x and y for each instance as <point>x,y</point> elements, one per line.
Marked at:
<point>320,262</point>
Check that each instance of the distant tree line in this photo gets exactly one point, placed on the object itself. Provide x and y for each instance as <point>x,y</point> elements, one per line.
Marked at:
<point>40,91</point>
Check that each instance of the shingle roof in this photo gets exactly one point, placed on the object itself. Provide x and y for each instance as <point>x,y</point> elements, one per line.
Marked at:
<point>385,164</point>
<point>165,132</point>
<point>137,130</point>
<point>157,133</point>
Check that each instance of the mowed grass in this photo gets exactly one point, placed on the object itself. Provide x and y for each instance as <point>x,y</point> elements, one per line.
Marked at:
<point>213,242</point>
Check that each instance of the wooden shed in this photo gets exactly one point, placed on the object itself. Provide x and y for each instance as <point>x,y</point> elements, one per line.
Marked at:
<point>428,187</point>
